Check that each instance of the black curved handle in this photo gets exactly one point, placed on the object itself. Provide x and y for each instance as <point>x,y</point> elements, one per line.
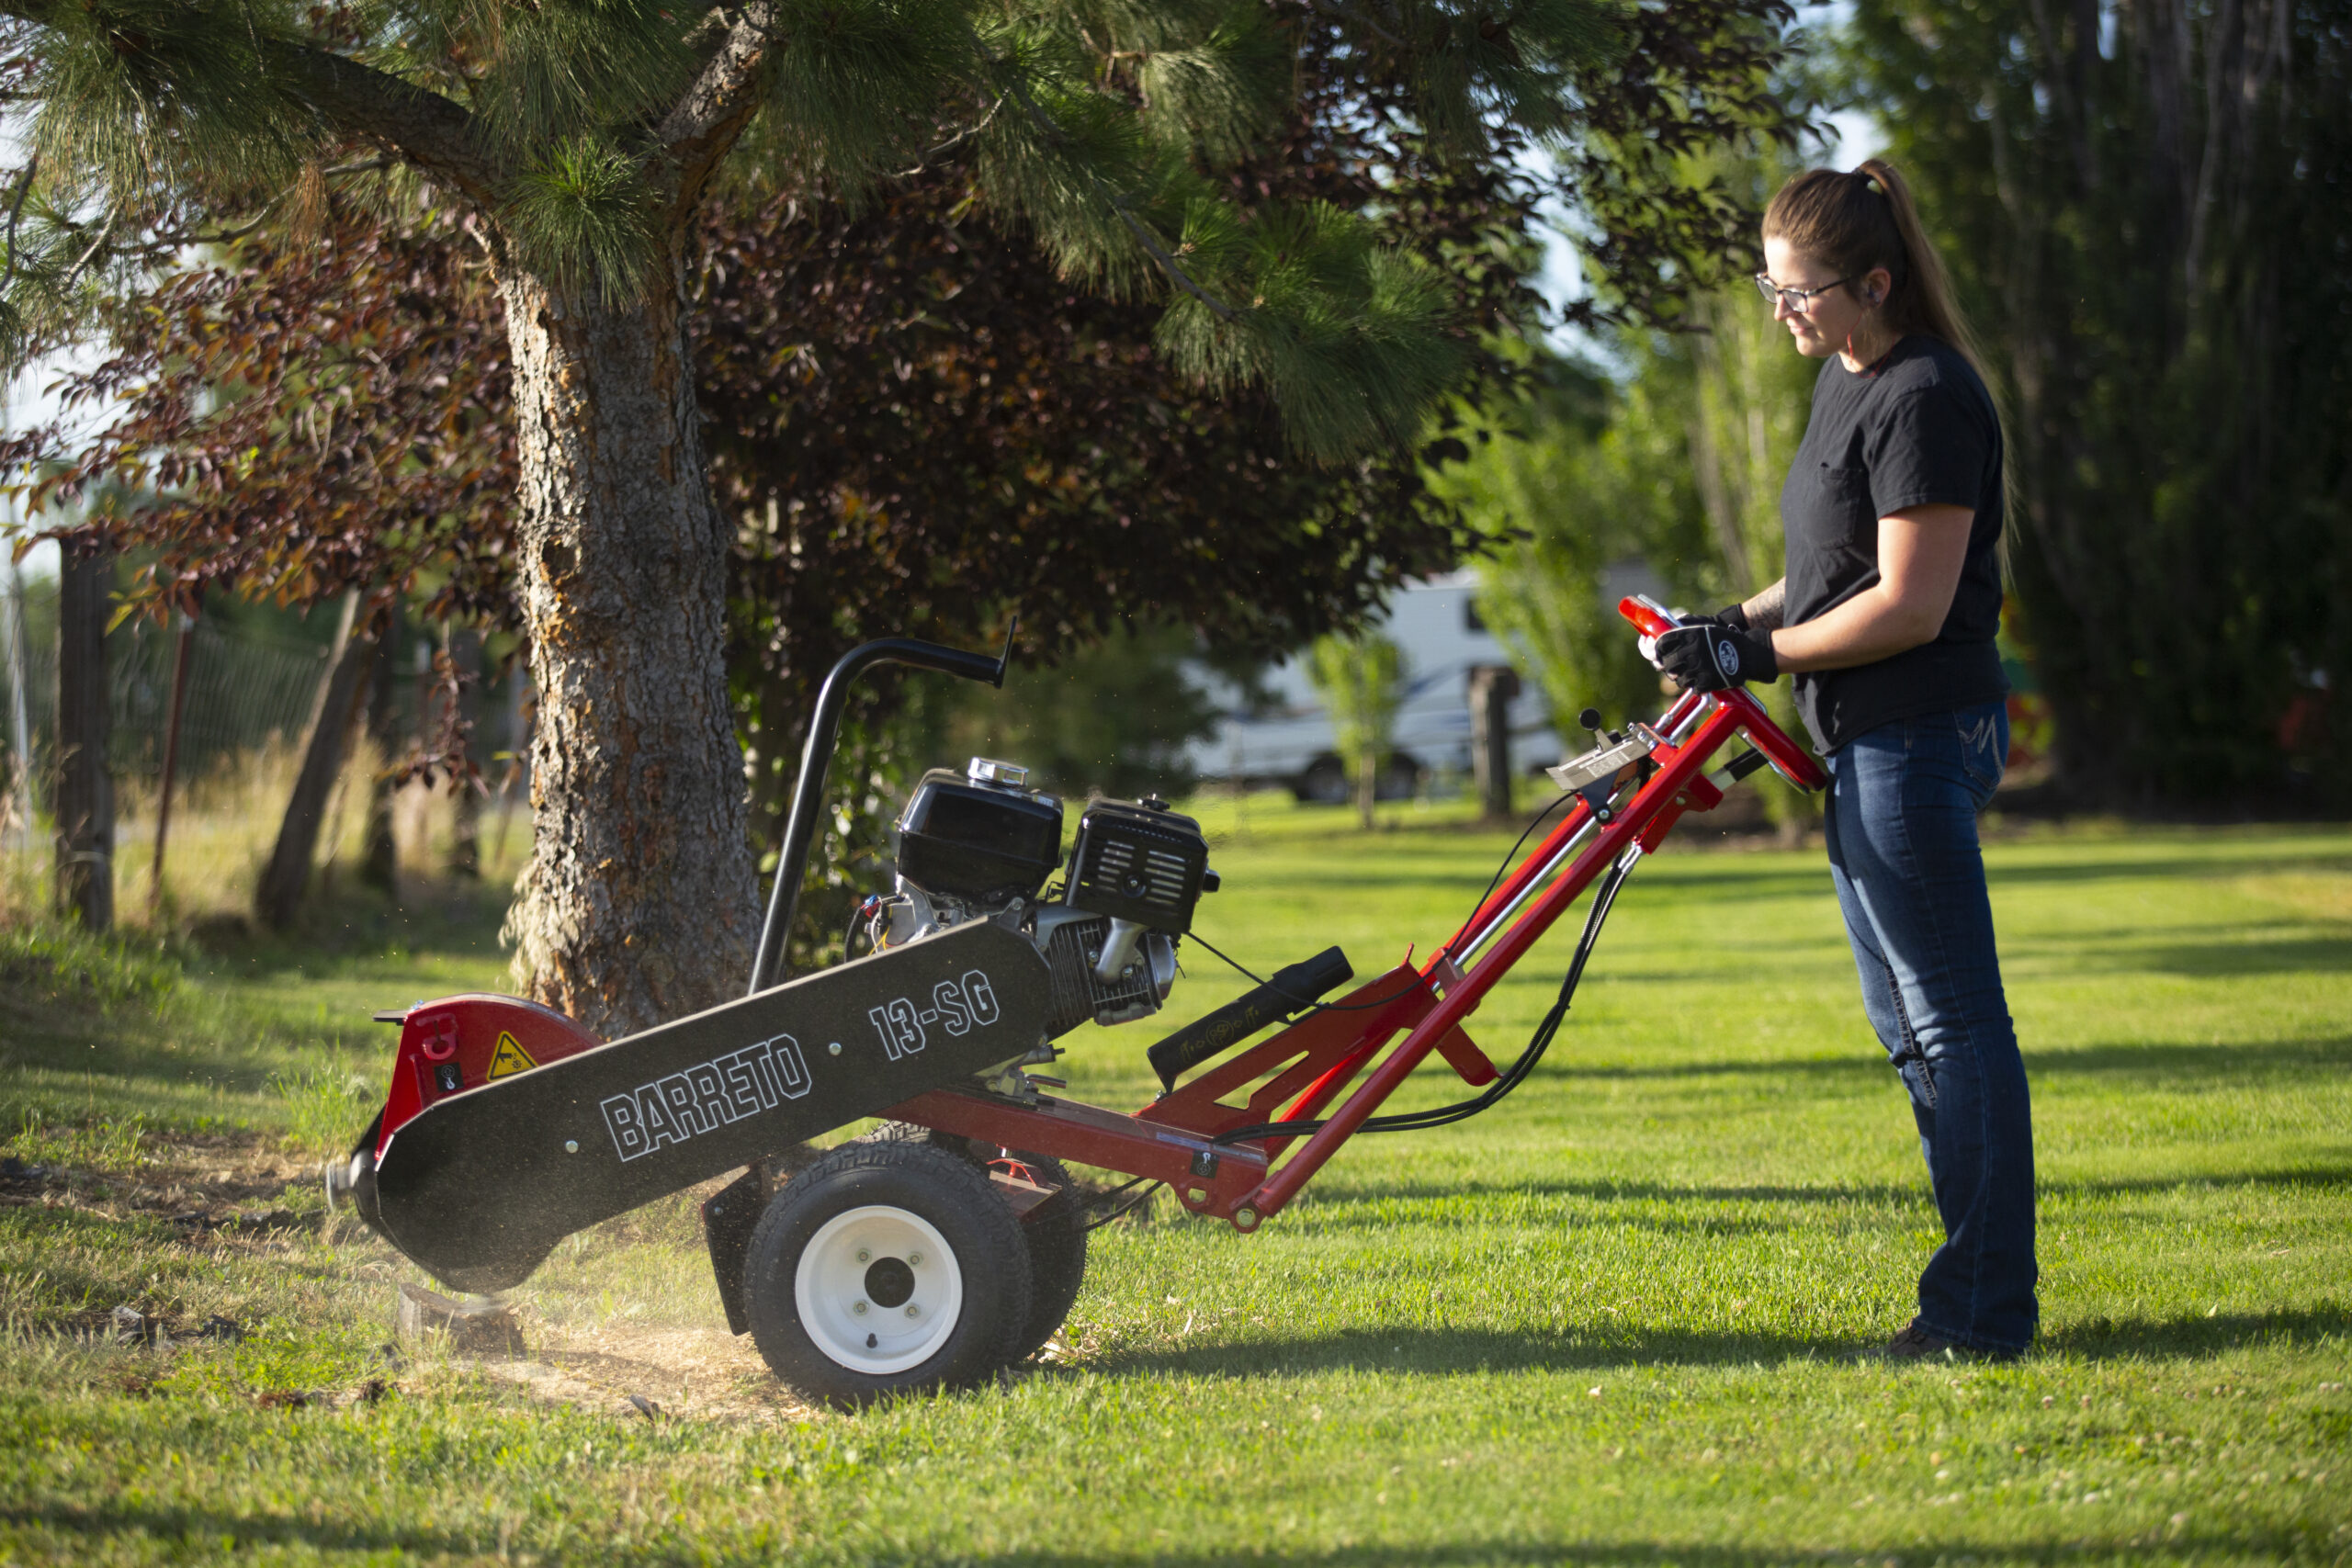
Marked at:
<point>817,760</point>
<point>1287,993</point>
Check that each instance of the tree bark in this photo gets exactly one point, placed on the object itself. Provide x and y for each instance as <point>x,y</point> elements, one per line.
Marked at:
<point>85,866</point>
<point>1492,687</point>
<point>380,853</point>
<point>17,805</point>
<point>279,894</point>
<point>639,902</point>
<point>463,645</point>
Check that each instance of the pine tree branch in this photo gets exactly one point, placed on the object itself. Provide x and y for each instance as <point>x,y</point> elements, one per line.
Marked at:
<point>437,135</point>
<point>1117,201</point>
<point>429,130</point>
<point>98,244</point>
<point>710,114</point>
<point>165,242</point>
<point>1354,16</point>
<point>15,215</point>
<point>970,131</point>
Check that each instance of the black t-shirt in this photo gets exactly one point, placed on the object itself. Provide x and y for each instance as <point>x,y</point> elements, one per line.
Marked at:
<point>1917,429</point>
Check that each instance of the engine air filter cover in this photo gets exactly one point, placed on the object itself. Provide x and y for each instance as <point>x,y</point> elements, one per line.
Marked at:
<point>1139,863</point>
<point>980,842</point>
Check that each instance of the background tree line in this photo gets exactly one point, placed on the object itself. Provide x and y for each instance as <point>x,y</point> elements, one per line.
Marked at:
<point>935,381</point>
<point>2148,208</point>
<point>913,422</point>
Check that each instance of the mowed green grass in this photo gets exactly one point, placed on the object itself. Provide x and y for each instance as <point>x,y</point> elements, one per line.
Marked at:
<point>1610,1321</point>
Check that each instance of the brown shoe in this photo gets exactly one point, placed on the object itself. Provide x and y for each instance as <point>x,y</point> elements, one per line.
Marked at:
<point>1917,1342</point>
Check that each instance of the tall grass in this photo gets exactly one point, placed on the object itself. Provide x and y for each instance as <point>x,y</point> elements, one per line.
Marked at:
<point>224,825</point>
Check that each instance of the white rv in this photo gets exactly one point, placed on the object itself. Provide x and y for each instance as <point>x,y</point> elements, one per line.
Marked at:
<point>1435,624</point>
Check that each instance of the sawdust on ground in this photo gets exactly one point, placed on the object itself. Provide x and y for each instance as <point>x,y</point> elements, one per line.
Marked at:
<point>705,1374</point>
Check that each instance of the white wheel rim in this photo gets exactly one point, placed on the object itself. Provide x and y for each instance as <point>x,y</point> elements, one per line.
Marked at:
<point>849,1288</point>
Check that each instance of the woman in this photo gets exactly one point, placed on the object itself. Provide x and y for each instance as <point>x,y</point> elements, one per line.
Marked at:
<point>1892,515</point>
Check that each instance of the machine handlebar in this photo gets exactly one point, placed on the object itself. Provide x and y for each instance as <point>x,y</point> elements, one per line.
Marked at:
<point>817,760</point>
<point>1647,613</point>
<point>1788,759</point>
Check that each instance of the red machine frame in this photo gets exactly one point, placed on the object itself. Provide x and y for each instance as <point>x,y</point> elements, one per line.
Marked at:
<point>1315,1060</point>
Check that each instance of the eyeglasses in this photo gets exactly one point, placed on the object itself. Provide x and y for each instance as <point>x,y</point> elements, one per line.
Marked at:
<point>1797,299</point>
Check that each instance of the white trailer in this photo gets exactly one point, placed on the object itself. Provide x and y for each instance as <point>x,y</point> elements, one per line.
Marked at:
<point>1289,744</point>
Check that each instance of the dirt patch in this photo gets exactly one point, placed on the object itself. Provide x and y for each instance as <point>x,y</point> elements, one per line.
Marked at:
<point>704,1374</point>
<point>237,1185</point>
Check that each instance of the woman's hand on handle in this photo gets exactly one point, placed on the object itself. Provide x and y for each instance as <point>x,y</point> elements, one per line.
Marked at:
<point>1707,656</point>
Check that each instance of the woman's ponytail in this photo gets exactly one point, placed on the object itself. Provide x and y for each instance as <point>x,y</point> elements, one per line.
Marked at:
<point>1853,222</point>
<point>1928,304</point>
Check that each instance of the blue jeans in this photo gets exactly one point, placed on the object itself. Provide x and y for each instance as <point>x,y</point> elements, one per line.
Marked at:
<point>1902,834</point>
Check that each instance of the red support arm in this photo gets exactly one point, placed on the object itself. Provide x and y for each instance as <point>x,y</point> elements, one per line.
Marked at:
<point>1660,794</point>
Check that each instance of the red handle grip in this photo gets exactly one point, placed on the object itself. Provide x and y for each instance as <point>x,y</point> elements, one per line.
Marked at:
<point>1641,615</point>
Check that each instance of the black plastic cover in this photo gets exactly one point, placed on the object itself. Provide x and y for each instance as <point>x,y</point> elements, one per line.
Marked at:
<point>1139,863</point>
<point>978,842</point>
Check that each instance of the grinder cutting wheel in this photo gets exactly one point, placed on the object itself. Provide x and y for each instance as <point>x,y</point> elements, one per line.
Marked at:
<point>953,1241</point>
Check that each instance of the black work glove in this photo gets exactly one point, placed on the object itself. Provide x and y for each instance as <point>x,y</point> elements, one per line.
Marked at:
<point>1709,655</point>
<point>1734,616</point>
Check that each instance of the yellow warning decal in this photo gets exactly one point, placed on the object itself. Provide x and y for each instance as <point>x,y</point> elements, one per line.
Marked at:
<point>509,1058</point>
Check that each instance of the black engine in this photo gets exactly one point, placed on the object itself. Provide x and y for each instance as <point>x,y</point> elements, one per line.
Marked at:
<point>983,846</point>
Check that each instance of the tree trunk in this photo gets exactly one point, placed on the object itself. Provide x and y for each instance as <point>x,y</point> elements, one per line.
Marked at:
<point>85,870</point>
<point>463,645</point>
<point>1492,687</point>
<point>379,851</point>
<point>639,902</point>
<point>279,893</point>
<point>17,815</point>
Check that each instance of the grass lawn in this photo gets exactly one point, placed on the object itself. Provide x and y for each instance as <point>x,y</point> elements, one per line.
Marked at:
<point>1610,1321</point>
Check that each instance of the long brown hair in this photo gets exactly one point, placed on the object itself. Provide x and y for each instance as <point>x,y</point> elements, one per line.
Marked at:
<point>1852,222</point>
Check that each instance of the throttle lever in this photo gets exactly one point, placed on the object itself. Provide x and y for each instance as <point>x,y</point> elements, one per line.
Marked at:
<point>1604,764</point>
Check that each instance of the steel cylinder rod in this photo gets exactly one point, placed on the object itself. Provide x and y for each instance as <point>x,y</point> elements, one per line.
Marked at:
<point>1498,906</point>
<point>1654,797</point>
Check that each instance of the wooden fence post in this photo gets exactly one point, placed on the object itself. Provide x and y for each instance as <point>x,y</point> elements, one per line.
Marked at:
<point>183,650</point>
<point>18,815</point>
<point>1492,687</point>
<point>85,866</point>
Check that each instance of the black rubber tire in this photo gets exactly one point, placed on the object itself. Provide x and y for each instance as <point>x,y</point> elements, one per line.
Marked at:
<point>947,1192</point>
<point>912,1133</point>
<point>1399,780</point>
<point>1325,783</point>
<point>1054,1229</point>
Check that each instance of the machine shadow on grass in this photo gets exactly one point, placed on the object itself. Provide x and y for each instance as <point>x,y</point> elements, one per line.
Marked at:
<point>2189,1336</point>
<point>1603,1345</point>
<point>2142,1061</point>
<point>2294,955</point>
<point>2183,1548</point>
<point>204,1527</point>
<point>2012,867</point>
<point>210,1528</point>
<point>1329,1213</point>
<point>1607,1347</point>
